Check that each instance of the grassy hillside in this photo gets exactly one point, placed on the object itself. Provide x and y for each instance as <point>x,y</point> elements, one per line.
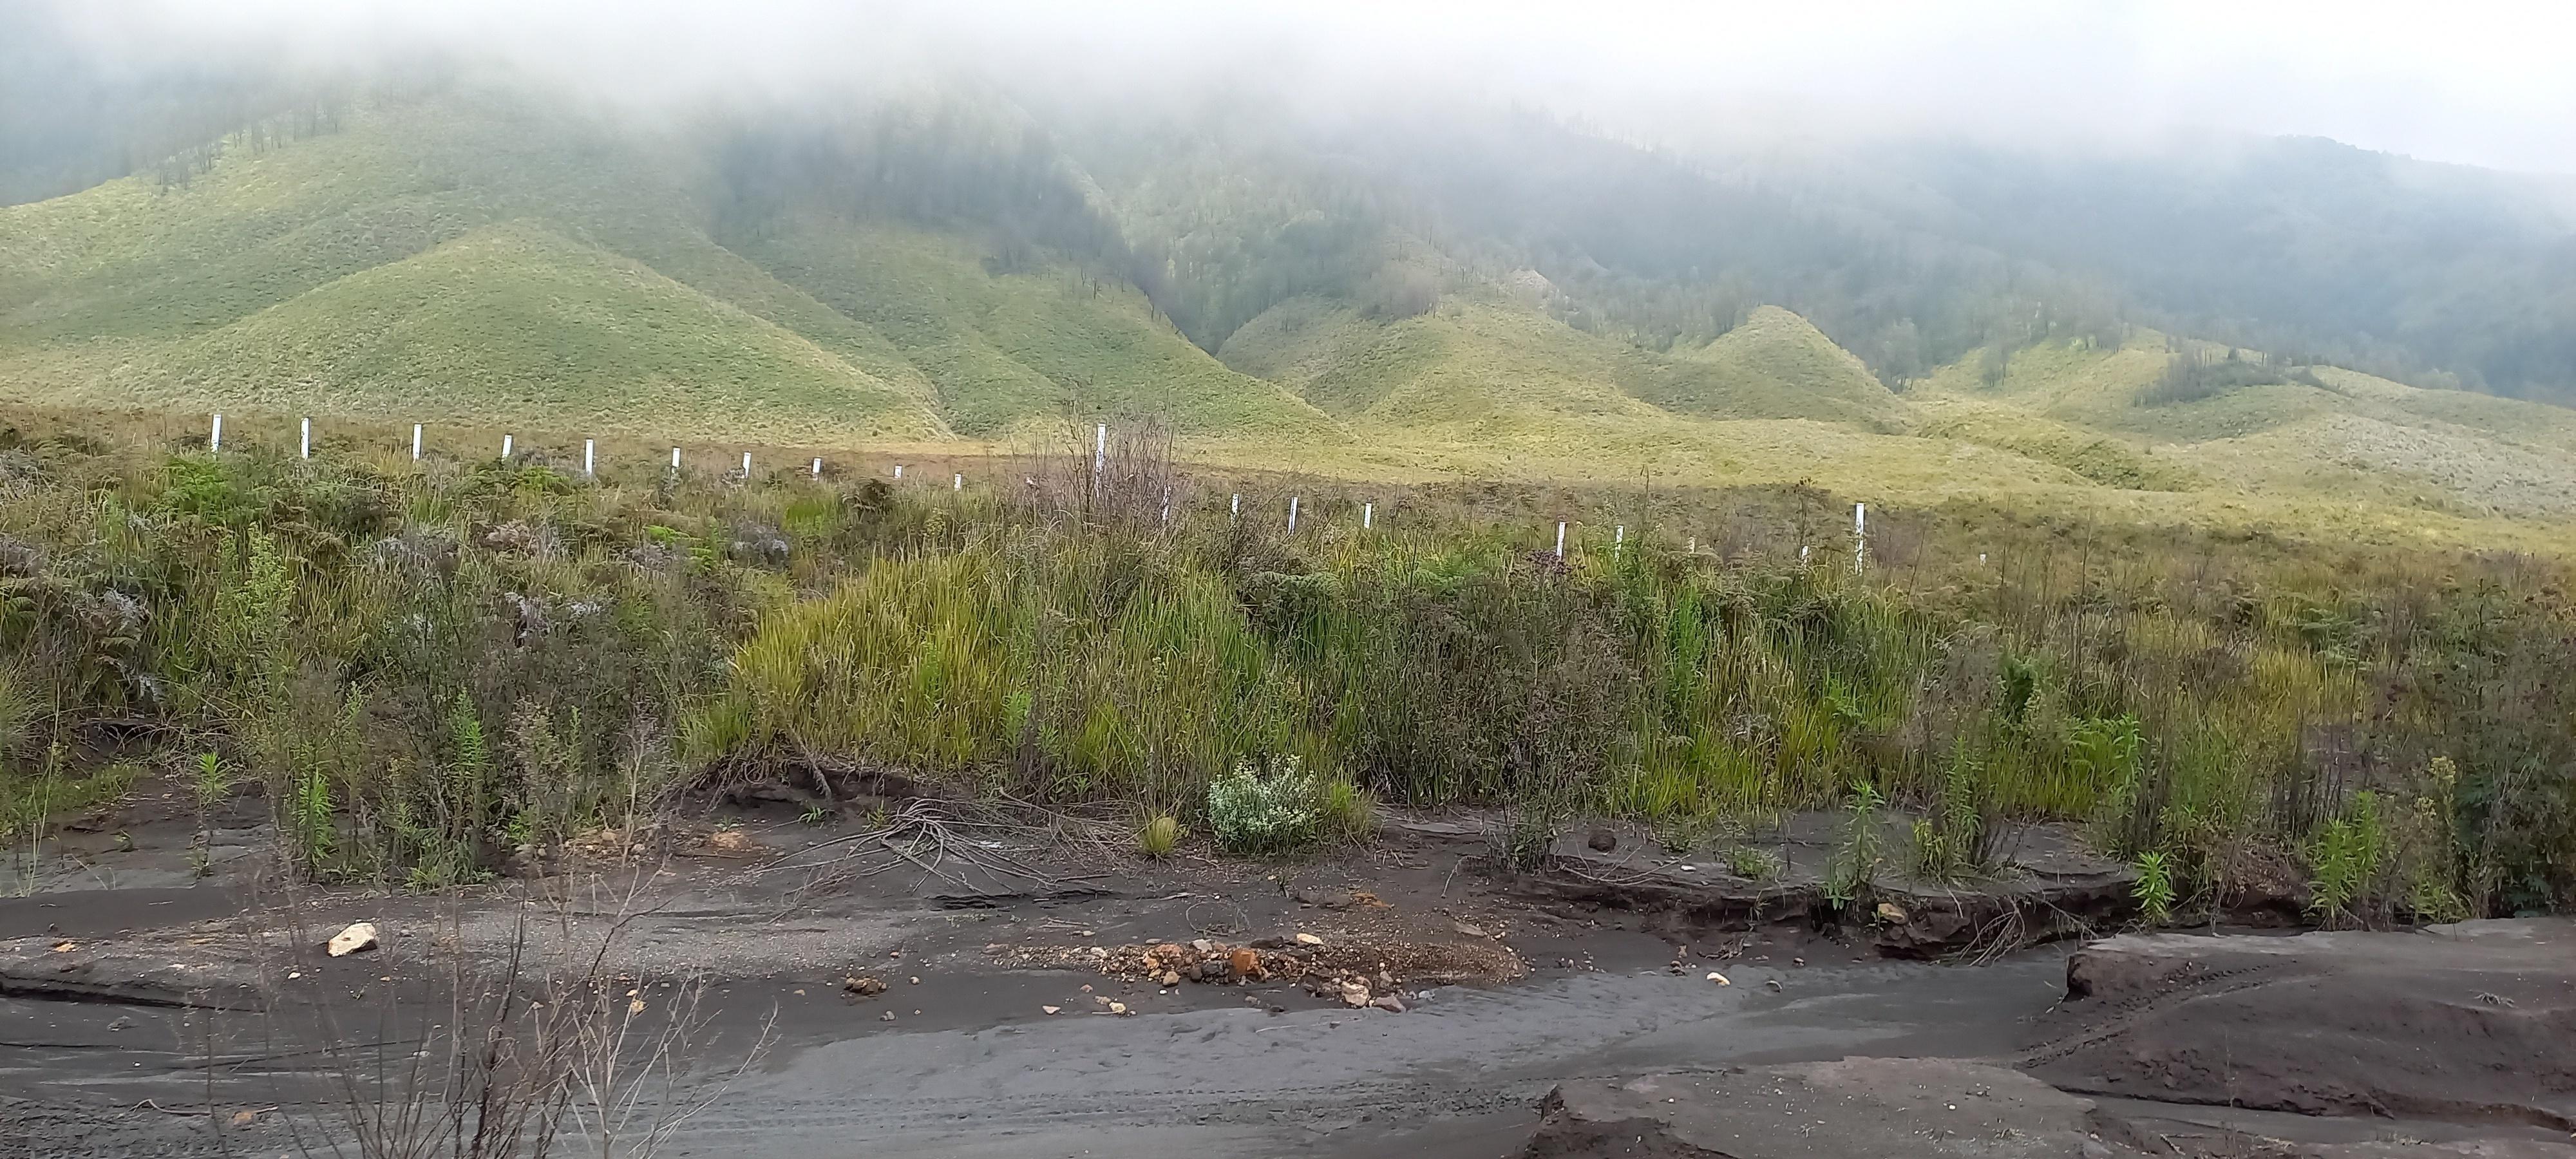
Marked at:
<point>1011,348</point>
<point>1485,358</point>
<point>596,297</point>
<point>480,259</point>
<point>1778,365</point>
<point>514,320</point>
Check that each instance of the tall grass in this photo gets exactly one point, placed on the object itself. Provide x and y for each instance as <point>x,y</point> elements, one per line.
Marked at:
<point>435,667</point>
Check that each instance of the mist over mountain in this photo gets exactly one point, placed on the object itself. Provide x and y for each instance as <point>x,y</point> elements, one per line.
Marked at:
<point>1218,200</point>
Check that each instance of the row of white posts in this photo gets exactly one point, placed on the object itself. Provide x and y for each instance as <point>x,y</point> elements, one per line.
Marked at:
<point>1099,466</point>
<point>509,445</point>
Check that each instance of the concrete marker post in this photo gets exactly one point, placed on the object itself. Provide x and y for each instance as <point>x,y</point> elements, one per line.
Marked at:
<point>415,442</point>
<point>1292,515</point>
<point>1560,539</point>
<point>1860,536</point>
<point>1368,516</point>
<point>589,456</point>
<point>1167,507</point>
<point>215,441</point>
<point>505,448</point>
<point>1618,540</point>
<point>307,451</point>
<point>675,460</point>
<point>898,470</point>
<point>1235,511</point>
<point>818,467</point>
<point>746,466</point>
<point>1099,456</point>
<point>957,482</point>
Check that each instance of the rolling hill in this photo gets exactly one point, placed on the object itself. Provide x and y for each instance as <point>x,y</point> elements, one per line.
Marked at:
<point>953,269</point>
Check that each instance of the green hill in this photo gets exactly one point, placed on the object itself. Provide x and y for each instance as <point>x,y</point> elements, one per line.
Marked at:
<point>1778,365</point>
<point>511,322</point>
<point>944,268</point>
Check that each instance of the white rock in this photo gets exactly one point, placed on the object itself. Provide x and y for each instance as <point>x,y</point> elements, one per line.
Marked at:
<point>1718,978</point>
<point>357,937</point>
<point>1309,940</point>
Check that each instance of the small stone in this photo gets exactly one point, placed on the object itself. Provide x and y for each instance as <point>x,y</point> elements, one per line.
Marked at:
<point>1246,963</point>
<point>1309,940</point>
<point>888,1016</point>
<point>1052,1009</point>
<point>916,980</point>
<point>863,987</point>
<point>1385,981</point>
<point>1718,978</point>
<point>1797,961</point>
<point>1771,984</point>
<point>64,947</point>
<point>1891,913</point>
<point>1389,1003</point>
<point>1118,1008</point>
<point>120,1024</point>
<point>1603,840</point>
<point>1472,931</point>
<point>356,937</point>
<point>1355,994</point>
<point>245,1117</point>
<point>1203,946</point>
<point>1171,978</point>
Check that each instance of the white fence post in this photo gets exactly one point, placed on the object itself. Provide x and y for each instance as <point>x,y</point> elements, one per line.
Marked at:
<point>1860,536</point>
<point>1292,515</point>
<point>589,456</point>
<point>957,482</point>
<point>746,466</point>
<point>505,447</point>
<point>307,451</point>
<point>1368,516</point>
<point>818,466</point>
<point>215,441</point>
<point>1618,539</point>
<point>898,470</point>
<point>675,460</point>
<point>415,442</point>
<point>1560,539</point>
<point>1099,456</point>
<point>1235,511</point>
<point>1167,507</point>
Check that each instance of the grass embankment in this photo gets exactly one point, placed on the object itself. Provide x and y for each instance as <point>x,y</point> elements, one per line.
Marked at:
<point>434,665</point>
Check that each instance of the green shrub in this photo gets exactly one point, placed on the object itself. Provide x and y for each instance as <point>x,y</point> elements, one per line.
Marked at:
<point>2345,862</point>
<point>2154,892</point>
<point>1159,836</point>
<point>1252,813</point>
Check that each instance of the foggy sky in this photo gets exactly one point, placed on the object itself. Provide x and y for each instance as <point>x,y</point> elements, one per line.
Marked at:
<point>2482,83</point>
